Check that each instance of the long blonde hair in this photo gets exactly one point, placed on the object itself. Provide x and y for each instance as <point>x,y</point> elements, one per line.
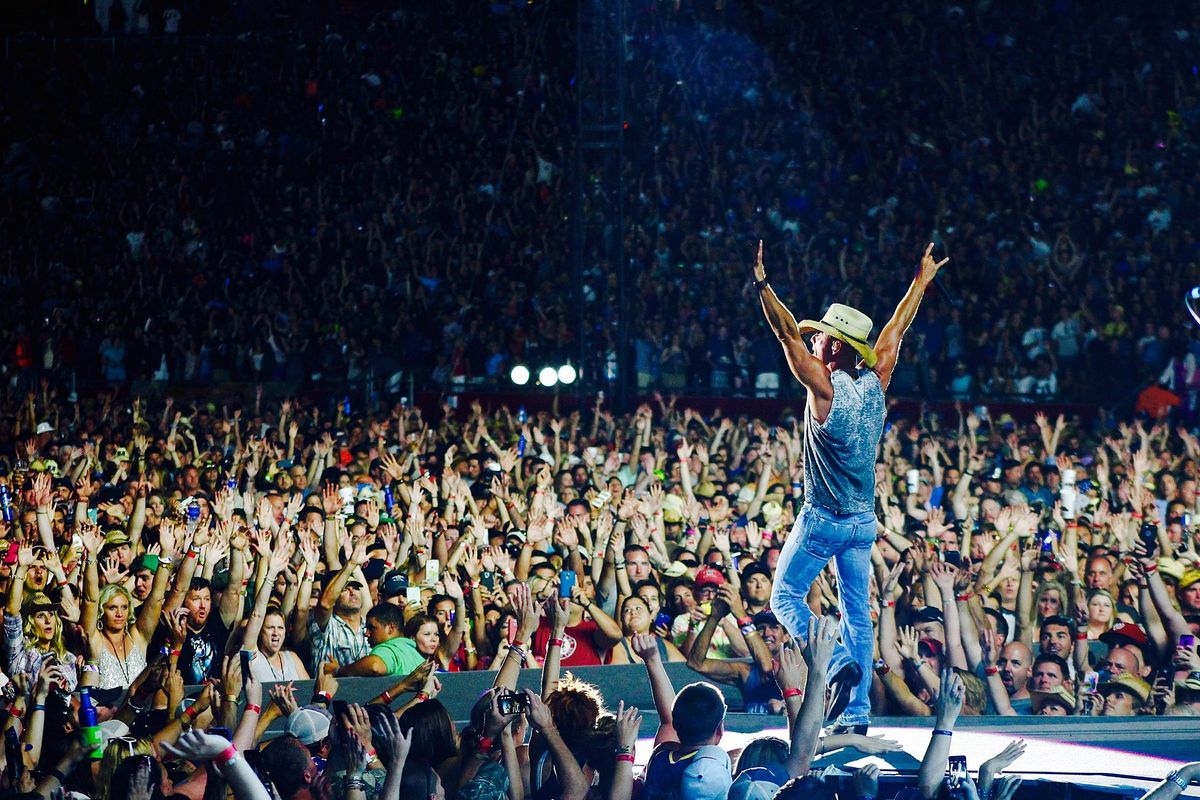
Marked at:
<point>1065,604</point>
<point>56,645</point>
<point>116,751</point>
<point>108,593</point>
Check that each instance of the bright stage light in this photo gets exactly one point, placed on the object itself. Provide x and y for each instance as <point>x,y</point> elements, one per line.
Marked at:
<point>520,375</point>
<point>548,376</point>
<point>566,374</point>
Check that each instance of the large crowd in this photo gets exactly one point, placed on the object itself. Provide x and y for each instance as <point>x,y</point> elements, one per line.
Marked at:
<point>391,199</point>
<point>1048,568</point>
<point>398,198</point>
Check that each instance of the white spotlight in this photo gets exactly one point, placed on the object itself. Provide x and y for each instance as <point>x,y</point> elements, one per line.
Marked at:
<point>548,376</point>
<point>566,374</point>
<point>520,375</point>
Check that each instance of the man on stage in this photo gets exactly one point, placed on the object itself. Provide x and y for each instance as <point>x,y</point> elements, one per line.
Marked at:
<point>843,421</point>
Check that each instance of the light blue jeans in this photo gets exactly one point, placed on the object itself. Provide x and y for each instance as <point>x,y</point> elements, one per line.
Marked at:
<point>818,536</point>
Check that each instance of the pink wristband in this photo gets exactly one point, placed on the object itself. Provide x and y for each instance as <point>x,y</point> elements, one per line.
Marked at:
<point>227,755</point>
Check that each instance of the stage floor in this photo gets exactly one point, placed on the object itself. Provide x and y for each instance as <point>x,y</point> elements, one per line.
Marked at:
<point>1104,768</point>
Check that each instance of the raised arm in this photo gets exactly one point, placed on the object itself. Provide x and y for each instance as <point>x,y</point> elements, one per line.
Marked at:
<point>990,645</point>
<point>994,560</point>
<point>1173,785</point>
<point>151,611</point>
<point>527,623</point>
<point>558,612</point>
<point>629,722</point>
<point>16,585</point>
<point>937,753</point>
<point>945,575</point>
<point>1172,620</point>
<point>187,569</point>
<point>231,600</point>
<point>198,746</point>
<point>449,646</point>
<point>44,504</point>
<point>269,566</point>
<point>806,729</point>
<point>324,608</point>
<point>806,367</point>
<point>645,645</point>
<point>887,347</point>
<point>969,633</point>
<point>312,557</point>
<point>92,542</point>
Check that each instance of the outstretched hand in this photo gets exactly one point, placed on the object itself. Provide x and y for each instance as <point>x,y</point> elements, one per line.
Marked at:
<point>929,268</point>
<point>760,273</point>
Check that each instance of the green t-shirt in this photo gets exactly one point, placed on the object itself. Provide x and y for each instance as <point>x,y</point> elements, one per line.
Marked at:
<point>399,655</point>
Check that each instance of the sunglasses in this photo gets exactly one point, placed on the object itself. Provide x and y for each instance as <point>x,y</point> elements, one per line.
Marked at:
<point>130,742</point>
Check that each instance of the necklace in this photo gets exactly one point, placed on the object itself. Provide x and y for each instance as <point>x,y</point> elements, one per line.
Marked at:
<point>123,657</point>
<point>276,675</point>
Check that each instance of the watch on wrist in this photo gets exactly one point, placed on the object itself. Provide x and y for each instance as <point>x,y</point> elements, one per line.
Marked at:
<point>1176,777</point>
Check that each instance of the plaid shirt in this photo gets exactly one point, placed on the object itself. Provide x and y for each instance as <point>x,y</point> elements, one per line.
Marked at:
<point>338,640</point>
<point>19,657</point>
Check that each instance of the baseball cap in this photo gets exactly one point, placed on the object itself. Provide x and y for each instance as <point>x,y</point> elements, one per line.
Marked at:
<point>220,580</point>
<point>1059,695</point>
<point>709,776</point>
<point>1124,631</point>
<point>753,784</point>
<point>44,427</point>
<point>755,568</point>
<point>932,647</point>
<point>1189,577</point>
<point>308,724</point>
<point>706,489</point>
<point>1129,683</point>
<point>766,617</point>
<point>112,729</point>
<point>772,772</point>
<point>144,561</point>
<point>930,614</point>
<point>393,584</point>
<point>374,568</point>
<point>709,575</point>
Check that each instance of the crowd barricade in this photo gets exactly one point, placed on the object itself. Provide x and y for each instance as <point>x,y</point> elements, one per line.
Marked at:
<point>1160,737</point>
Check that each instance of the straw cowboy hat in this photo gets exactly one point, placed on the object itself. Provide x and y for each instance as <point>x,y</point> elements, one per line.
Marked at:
<point>845,324</point>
